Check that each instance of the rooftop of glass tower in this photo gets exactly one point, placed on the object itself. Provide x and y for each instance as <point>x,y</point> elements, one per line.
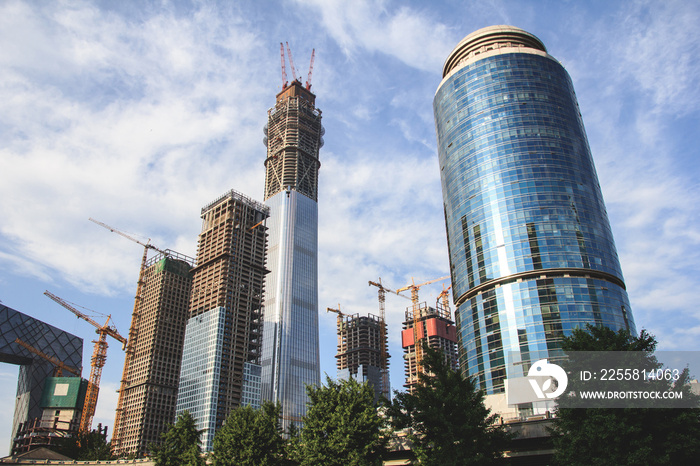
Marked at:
<point>490,38</point>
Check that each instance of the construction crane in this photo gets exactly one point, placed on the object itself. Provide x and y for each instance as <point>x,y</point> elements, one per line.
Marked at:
<point>444,296</point>
<point>340,316</point>
<point>291,63</point>
<point>146,245</point>
<point>311,69</point>
<point>133,329</point>
<point>284,68</point>
<point>99,358</point>
<point>382,331</point>
<point>60,366</point>
<point>416,309</point>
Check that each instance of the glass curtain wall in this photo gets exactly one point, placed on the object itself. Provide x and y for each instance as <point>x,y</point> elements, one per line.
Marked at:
<point>531,250</point>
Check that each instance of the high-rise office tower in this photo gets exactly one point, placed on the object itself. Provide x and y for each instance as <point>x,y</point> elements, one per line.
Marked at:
<point>531,250</point>
<point>362,351</point>
<point>152,373</point>
<point>220,361</point>
<point>428,326</point>
<point>290,351</point>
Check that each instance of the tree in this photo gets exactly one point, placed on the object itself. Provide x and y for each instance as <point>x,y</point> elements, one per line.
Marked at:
<point>180,444</point>
<point>625,436</point>
<point>251,437</point>
<point>446,416</point>
<point>342,426</point>
<point>90,446</point>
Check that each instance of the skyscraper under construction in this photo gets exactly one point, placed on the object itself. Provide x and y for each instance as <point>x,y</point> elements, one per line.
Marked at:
<point>146,404</point>
<point>290,350</point>
<point>220,362</point>
<point>362,351</point>
<point>430,326</point>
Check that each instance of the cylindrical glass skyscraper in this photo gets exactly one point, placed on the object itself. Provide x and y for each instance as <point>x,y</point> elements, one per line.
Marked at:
<point>531,250</point>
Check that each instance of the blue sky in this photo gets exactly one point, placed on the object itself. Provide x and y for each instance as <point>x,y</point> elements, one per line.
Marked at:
<point>139,113</point>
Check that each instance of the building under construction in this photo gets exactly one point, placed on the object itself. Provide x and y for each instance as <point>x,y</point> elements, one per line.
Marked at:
<point>363,351</point>
<point>220,361</point>
<point>148,396</point>
<point>435,327</point>
<point>62,402</point>
<point>34,369</point>
<point>290,352</point>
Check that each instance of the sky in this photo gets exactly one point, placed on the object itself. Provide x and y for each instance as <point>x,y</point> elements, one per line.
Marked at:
<point>138,113</point>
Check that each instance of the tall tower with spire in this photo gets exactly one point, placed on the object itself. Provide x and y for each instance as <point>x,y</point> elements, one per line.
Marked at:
<point>290,349</point>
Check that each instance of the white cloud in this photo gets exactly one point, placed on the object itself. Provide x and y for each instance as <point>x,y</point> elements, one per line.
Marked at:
<point>139,124</point>
<point>659,53</point>
<point>407,34</point>
<point>638,90</point>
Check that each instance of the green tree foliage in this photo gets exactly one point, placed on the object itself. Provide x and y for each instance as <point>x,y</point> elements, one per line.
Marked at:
<point>625,436</point>
<point>180,444</point>
<point>251,437</point>
<point>92,446</point>
<point>447,420</point>
<point>342,426</point>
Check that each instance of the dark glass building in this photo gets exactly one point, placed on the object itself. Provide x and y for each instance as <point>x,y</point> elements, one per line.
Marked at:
<point>531,250</point>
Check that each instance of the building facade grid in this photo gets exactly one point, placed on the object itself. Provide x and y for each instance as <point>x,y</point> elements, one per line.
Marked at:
<point>153,373</point>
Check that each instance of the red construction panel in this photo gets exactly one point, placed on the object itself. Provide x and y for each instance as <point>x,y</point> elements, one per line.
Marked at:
<point>407,338</point>
<point>437,327</point>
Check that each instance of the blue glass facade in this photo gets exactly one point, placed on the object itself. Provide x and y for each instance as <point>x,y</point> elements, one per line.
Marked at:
<point>531,250</point>
<point>290,349</point>
<point>200,373</point>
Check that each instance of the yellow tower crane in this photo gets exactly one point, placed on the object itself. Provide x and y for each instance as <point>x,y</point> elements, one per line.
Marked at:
<point>60,366</point>
<point>382,332</point>
<point>416,309</point>
<point>444,296</point>
<point>340,317</point>
<point>99,358</point>
<point>133,329</point>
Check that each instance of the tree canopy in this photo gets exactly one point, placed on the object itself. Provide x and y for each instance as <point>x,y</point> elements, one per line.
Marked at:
<point>86,446</point>
<point>180,444</point>
<point>447,419</point>
<point>625,436</point>
<point>342,426</point>
<point>251,437</point>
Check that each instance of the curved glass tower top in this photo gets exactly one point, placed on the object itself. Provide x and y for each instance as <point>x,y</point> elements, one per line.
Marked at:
<point>531,250</point>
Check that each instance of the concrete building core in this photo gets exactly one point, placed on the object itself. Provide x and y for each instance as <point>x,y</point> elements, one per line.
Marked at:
<point>360,351</point>
<point>220,361</point>
<point>152,374</point>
